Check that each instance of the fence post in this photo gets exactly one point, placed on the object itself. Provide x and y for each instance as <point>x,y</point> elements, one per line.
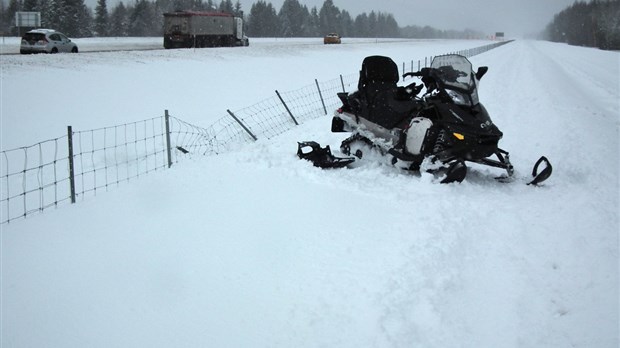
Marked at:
<point>342,83</point>
<point>287,109</point>
<point>242,125</point>
<point>167,118</point>
<point>71,167</point>
<point>320,95</point>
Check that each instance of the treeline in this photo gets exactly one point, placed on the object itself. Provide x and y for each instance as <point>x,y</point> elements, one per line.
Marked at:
<point>74,18</point>
<point>145,18</point>
<point>296,20</point>
<point>593,24</point>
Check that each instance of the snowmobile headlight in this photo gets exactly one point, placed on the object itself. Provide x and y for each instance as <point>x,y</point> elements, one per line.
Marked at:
<point>459,136</point>
<point>458,98</point>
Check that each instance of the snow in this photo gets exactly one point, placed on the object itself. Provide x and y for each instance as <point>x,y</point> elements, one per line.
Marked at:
<point>255,248</point>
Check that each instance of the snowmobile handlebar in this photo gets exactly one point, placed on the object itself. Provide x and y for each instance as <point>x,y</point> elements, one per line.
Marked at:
<point>417,73</point>
<point>422,73</point>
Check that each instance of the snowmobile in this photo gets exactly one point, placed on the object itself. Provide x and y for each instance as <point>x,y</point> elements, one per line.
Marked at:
<point>436,132</point>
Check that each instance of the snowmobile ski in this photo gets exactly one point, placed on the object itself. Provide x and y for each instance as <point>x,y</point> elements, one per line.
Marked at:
<point>544,174</point>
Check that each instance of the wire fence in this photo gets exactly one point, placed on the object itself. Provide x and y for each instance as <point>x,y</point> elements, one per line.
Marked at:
<point>82,163</point>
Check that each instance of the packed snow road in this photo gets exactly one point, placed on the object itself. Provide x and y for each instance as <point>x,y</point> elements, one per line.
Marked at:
<point>10,45</point>
<point>257,248</point>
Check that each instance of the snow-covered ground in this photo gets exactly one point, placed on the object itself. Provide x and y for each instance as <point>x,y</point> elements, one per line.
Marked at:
<point>255,248</point>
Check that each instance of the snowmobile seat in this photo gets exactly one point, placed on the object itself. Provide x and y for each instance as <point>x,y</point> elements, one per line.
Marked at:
<point>378,70</point>
<point>383,102</point>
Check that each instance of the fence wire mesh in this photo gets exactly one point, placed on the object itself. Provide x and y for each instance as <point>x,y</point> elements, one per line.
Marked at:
<point>108,156</point>
<point>40,176</point>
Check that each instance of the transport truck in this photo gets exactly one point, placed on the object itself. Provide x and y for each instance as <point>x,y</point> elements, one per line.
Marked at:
<point>203,29</point>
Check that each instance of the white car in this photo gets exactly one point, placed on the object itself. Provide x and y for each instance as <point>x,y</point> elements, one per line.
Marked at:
<point>46,41</point>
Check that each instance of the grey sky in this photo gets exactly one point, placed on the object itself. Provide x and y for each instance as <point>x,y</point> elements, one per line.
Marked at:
<point>514,17</point>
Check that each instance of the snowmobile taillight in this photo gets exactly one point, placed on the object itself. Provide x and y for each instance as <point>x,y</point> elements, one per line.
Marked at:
<point>339,110</point>
<point>459,136</point>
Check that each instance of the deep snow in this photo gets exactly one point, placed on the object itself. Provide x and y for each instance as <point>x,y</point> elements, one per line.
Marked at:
<point>255,248</point>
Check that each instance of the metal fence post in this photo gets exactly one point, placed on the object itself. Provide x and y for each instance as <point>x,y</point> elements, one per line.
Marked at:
<point>71,167</point>
<point>167,118</point>
<point>320,95</point>
<point>287,109</point>
<point>242,125</point>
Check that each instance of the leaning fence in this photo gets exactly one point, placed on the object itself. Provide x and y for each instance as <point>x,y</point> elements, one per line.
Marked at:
<point>82,163</point>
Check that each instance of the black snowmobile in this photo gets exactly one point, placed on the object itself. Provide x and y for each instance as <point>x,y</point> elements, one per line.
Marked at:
<point>437,132</point>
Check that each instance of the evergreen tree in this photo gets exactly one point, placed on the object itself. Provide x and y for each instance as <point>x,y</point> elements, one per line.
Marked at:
<point>329,17</point>
<point>237,11</point>
<point>119,21</point>
<point>79,19</point>
<point>594,24</point>
<point>387,26</point>
<point>143,20</point>
<point>372,25</point>
<point>209,5</point>
<point>346,24</point>
<point>30,5</point>
<point>101,18</point>
<point>8,17</point>
<point>262,20</point>
<point>49,13</point>
<point>226,6</point>
<point>361,28</point>
<point>312,23</point>
<point>292,18</point>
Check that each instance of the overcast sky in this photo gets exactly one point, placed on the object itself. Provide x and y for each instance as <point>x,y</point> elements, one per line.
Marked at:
<point>514,17</point>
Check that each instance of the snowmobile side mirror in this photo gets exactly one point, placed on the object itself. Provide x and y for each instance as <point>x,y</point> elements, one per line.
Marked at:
<point>481,71</point>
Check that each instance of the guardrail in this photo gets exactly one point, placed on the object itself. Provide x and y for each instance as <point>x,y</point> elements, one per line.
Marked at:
<point>81,163</point>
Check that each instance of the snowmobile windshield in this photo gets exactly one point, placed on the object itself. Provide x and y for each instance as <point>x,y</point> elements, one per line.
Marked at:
<point>454,72</point>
